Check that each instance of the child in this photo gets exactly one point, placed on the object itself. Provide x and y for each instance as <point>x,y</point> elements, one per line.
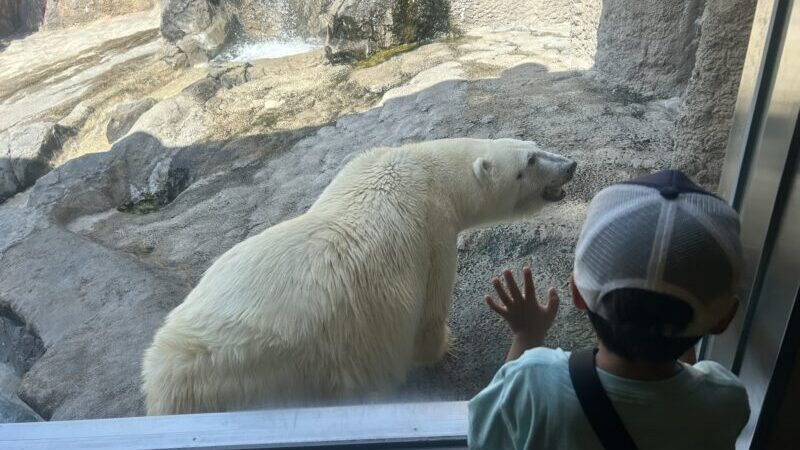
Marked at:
<point>656,268</point>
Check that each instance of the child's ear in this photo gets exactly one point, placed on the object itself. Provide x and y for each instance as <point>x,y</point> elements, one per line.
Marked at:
<point>722,325</point>
<point>577,299</point>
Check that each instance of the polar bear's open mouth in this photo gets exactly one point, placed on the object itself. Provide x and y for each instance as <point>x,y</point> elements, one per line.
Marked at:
<point>553,193</point>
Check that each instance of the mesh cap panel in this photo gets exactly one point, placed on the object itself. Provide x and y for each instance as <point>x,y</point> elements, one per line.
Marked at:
<point>665,236</point>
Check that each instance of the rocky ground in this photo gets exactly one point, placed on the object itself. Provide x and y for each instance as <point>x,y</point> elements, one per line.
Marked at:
<point>97,252</point>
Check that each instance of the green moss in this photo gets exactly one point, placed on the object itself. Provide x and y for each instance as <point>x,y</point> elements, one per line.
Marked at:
<point>265,121</point>
<point>383,55</point>
<point>420,20</point>
<point>146,205</point>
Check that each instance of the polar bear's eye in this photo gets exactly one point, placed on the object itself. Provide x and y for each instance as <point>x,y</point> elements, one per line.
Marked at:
<point>519,175</point>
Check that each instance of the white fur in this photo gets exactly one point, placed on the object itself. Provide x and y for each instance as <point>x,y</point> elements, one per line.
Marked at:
<point>344,299</point>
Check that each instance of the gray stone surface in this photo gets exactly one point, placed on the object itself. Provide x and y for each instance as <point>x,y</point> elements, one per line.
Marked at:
<point>20,16</point>
<point>124,115</point>
<point>25,153</point>
<point>357,28</point>
<point>648,47</point>
<point>19,349</point>
<point>12,409</point>
<point>77,117</point>
<point>195,28</point>
<point>69,13</point>
<point>583,32</point>
<point>504,14</point>
<point>281,18</point>
<point>701,132</point>
<point>8,17</point>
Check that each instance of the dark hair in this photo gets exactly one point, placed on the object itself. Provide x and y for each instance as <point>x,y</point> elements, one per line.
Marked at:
<point>637,324</point>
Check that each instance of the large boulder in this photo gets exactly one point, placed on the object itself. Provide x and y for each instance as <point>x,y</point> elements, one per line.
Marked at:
<point>647,47</point>
<point>357,28</point>
<point>194,30</point>
<point>25,153</point>
<point>281,18</point>
<point>8,17</point>
<point>20,16</point>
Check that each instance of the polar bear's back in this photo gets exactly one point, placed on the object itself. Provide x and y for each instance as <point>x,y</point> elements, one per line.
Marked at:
<point>312,308</point>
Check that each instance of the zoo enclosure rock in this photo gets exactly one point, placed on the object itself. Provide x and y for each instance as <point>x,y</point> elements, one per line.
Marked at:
<point>67,13</point>
<point>701,131</point>
<point>648,46</point>
<point>194,30</point>
<point>694,52</point>
<point>25,154</point>
<point>124,115</point>
<point>24,16</point>
<point>20,16</point>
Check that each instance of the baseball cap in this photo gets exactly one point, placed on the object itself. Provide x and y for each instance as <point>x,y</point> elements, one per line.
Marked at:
<point>661,233</point>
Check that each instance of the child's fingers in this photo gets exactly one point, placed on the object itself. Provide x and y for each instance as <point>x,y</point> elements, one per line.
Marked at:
<point>512,285</point>
<point>501,292</point>
<point>495,307</point>
<point>530,289</point>
<point>552,303</point>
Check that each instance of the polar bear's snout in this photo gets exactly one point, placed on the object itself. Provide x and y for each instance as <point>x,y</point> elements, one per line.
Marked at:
<point>558,171</point>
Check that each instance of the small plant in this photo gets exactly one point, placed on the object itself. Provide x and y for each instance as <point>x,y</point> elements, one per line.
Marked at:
<point>145,205</point>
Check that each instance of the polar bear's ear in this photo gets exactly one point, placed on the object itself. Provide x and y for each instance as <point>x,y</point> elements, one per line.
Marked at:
<point>481,168</point>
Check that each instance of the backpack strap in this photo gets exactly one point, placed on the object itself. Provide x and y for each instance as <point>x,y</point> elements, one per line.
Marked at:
<point>595,403</point>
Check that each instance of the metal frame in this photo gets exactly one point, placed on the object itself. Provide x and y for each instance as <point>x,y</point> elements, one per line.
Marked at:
<point>439,425</point>
<point>762,181</point>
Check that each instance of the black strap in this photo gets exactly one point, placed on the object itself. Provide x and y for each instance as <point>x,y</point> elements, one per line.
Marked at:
<point>595,403</point>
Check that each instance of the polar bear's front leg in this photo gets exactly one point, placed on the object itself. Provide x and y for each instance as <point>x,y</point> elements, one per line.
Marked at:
<point>433,335</point>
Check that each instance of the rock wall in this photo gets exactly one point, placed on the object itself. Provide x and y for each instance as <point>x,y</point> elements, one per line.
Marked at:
<point>692,52</point>
<point>497,14</point>
<point>648,46</point>
<point>20,16</point>
<point>289,18</point>
<point>583,32</point>
<point>8,17</point>
<point>577,19</point>
<point>66,13</point>
<point>702,129</point>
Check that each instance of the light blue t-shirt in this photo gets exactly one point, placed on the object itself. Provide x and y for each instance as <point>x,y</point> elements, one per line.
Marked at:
<point>530,404</point>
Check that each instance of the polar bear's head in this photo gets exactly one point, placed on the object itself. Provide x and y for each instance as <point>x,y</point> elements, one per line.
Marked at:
<point>516,178</point>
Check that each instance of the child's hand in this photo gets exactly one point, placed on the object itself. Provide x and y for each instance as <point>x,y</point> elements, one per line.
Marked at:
<point>529,321</point>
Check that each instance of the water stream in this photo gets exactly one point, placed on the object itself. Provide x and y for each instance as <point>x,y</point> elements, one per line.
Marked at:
<point>265,49</point>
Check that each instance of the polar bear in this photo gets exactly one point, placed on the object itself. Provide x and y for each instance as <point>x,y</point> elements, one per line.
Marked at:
<point>343,300</point>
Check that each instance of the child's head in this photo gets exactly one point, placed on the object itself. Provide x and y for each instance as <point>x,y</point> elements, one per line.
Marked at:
<point>657,266</point>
